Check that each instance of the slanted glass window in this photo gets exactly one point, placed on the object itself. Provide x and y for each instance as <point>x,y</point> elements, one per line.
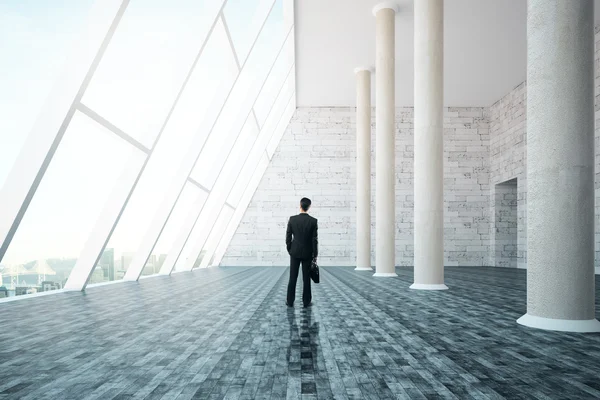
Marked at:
<point>191,255</point>
<point>186,130</point>
<point>172,261</point>
<point>192,198</point>
<point>239,154</point>
<point>208,216</point>
<point>208,252</point>
<point>280,72</point>
<point>244,19</point>
<point>281,127</point>
<point>147,62</point>
<point>36,38</point>
<point>89,162</point>
<point>274,118</point>
<point>242,98</point>
<point>240,210</point>
<point>162,152</point>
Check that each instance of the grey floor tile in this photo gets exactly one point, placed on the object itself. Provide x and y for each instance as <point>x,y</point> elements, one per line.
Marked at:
<point>226,333</point>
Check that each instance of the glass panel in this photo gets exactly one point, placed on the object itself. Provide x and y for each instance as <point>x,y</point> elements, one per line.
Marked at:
<point>162,178</point>
<point>217,197</point>
<point>37,37</point>
<point>281,127</point>
<point>243,96</point>
<point>66,206</point>
<point>206,255</point>
<point>228,176</point>
<point>280,72</point>
<point>147,61</point>
<point>240,210</point>
<point>244,19</point>
<point>190,198</point>
<point>188,258</point>
<point>235,160</point>
<point>238,154</point>
<point>288,13</point>
<point>197,238</point>
<point>185,222</point>
<point>203,96</point>
<point>263,139</point>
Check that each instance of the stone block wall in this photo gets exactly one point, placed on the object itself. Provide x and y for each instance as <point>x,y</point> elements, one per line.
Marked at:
<point>597,144</point>
<point>316,159</point>
<point>484,148</point>
<point>504,245</point>
<point>508,161</point>
<point>508,155</point>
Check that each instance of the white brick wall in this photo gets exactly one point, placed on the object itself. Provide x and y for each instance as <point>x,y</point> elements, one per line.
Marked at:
<point>505,242</point>
<point>597,144</point>
<point>483,147</point>
<point>316,158</point>
<point>508,156</point>
<point>508,160</point>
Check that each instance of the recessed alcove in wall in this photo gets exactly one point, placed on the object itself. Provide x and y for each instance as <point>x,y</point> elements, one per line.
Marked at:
<point>505,224</point>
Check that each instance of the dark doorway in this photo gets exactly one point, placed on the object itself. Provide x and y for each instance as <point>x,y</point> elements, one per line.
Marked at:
<point>505,224</point>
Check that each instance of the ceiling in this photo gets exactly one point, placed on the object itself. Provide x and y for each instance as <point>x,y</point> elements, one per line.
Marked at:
<point>484,47</point>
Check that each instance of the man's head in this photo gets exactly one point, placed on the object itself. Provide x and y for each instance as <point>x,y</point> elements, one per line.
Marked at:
<point>305,204</point>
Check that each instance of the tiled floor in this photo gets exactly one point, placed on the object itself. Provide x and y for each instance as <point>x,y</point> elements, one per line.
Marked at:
<point>226,333</point>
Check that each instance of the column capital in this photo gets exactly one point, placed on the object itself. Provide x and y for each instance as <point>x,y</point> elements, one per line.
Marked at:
<point>360,69</point>
<point>392,5</point>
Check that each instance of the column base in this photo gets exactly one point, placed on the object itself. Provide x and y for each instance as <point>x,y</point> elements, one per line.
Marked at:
<point>385,274</point>
<point>363,269</point>
<point>425,286</point>
<point>563,325</point>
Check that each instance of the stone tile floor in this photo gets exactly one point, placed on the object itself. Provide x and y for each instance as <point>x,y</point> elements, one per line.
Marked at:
<point>226,333</point>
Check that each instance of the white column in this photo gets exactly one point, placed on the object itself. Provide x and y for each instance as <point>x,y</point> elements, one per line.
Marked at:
<point>385,197</point>
<point>363,169</point>
<point>429,145</point>
<point>560,166</point>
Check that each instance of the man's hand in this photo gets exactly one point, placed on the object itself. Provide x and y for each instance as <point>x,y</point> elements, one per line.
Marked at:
<point>288,237</point>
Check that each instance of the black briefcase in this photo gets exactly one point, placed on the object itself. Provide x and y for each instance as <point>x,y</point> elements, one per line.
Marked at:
<point>314,271</point>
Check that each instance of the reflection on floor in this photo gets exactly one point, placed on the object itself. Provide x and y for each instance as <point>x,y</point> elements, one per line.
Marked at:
<point>226,333</point>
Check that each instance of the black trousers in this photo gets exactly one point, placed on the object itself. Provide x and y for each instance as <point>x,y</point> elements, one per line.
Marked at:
<point>294,269</point>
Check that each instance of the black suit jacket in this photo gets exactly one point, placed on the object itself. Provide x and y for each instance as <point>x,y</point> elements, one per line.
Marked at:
<point>301,237</point>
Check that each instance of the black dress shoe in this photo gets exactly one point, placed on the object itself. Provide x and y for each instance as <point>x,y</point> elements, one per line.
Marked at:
<point>286,303</point>
<point>308,305</point>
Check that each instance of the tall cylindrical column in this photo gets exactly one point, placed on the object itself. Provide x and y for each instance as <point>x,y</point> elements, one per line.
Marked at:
<point>560,166</point>
<point>385,214</point>
<point>429,145</point>
<point>363,169</point>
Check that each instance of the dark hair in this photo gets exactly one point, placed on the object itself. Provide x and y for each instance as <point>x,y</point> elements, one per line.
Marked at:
<point>305,203</point>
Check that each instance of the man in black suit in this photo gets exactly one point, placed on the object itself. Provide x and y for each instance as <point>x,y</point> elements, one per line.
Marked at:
<point>302,244</point>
